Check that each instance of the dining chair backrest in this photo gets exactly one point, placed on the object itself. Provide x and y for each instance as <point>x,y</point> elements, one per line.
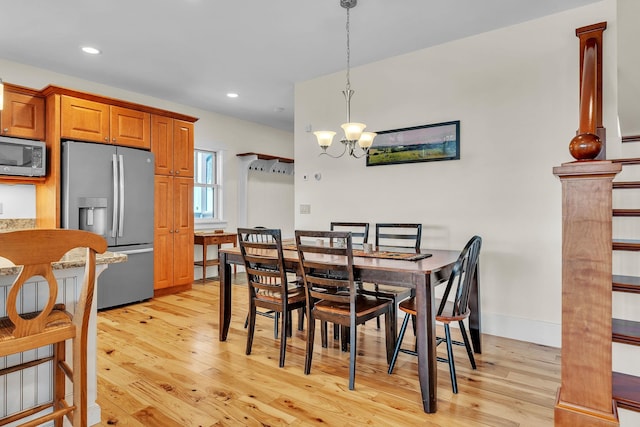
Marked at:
<point>327,269</point>
<point>35,250</point>
<point>261,237</point>
<point>399,235</point>
<point>359,231</point>
<point>261,250</point>
<point>461,279</point>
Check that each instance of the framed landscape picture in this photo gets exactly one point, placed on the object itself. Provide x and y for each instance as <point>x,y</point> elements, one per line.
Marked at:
<point>440,141</point>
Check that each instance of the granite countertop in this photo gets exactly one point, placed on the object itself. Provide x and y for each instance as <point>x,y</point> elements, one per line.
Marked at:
<point>72,259</point>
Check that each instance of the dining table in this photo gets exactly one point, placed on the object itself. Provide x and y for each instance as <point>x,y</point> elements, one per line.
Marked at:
<point>422,274</point>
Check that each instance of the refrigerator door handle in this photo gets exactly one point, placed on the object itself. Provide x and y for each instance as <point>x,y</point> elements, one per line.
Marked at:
<point>121,219</point>
<point>135,251</point>
<point>114,227</point>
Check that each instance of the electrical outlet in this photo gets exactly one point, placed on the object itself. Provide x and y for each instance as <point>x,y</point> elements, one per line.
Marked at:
<point>305,209</point>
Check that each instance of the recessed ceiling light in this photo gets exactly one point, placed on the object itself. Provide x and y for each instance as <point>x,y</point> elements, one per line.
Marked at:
<point>90,50</point>
<point>232,95</point>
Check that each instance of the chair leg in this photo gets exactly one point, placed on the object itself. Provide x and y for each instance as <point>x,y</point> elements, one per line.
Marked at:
<point>286,325</point>
<point>323,332</point>
<point>301,319</point>
<point>79,380</point>
<point>252,327</point>
<point>403,328</point>
<point>377,289</point>
<point>276,324</point>
<point>452,367</point>
<point>346,336</point>
<point>467,344</point>
<point>289,324</point>
<point>311,326</point>
<point>413,325</point>
<point>352,356</point>
<point>59,353</point>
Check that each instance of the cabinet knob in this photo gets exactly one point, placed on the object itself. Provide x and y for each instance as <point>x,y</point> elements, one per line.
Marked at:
<point>114,140</point>
<point>177,231</point>
<point>171,171</point>
<point>106,138</point>
<point>177,172</point>
<point>5,130</point>
<point>170,231</point>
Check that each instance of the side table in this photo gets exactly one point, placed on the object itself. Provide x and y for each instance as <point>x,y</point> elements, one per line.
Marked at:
<point>206,238</point>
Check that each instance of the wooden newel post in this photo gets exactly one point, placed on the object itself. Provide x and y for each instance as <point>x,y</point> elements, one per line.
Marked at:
<point>589,142</point>
<point>585,394</point>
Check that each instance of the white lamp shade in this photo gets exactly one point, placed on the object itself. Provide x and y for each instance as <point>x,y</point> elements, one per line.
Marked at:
<point>325,137</point>
<point>353,130</point>
<point>366,139</point>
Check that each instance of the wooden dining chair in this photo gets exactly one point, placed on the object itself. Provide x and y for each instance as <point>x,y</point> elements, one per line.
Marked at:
<point>449,311</point>
<point>332,296</point>
<point>268,285</point>
<point>51,325</point>
<point>397,236</point>
<point>359,231</point>
<point>268,313</point>
<point>359,236</point>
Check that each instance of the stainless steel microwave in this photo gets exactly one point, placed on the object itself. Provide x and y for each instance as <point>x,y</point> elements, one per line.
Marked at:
<point>22,157</point>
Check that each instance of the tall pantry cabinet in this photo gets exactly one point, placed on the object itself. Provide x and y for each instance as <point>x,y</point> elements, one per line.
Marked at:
<point>172,144</point>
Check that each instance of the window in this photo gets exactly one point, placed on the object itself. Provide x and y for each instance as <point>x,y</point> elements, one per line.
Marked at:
<point>207,190</point>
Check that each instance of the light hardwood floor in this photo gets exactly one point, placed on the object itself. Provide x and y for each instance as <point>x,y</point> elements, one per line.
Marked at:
<point>160,364</point>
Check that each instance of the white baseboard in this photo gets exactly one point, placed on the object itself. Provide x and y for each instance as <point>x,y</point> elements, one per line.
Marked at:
<point>535,331</point>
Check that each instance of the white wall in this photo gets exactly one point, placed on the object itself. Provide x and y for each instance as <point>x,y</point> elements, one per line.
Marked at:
<point>628,65</point>
<point>515,91</point>
<point>270,197</point>
<point>212,131</point>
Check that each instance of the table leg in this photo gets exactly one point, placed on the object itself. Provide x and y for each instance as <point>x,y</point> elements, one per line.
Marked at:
<point>475,316</point>
<point>426,341</point>
<point>225,296</point>
<point>204,261</point>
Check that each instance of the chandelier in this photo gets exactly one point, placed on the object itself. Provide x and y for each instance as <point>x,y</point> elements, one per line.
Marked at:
<point>355,141</point>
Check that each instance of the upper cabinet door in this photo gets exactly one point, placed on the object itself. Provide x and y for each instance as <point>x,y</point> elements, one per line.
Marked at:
<point>130,128</point>
<point>22,116</point>
<point>84,120</point>
<point>162,144</point>
<point>183,148</point>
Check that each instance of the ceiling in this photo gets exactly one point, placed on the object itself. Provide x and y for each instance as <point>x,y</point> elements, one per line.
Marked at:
<point>193,52</point>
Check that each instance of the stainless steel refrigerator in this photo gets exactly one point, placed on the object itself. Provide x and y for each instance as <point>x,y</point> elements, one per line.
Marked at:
<point>108,190</point>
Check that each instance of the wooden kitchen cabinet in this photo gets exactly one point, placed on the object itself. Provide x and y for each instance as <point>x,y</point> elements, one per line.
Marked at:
<point>173,239</point>
<point>172,144</point>
<point>23,115</point>
<point>129,127</point>
<point>87,120</point>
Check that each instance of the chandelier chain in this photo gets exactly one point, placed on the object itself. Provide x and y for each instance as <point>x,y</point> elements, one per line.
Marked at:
<point>348,54</point>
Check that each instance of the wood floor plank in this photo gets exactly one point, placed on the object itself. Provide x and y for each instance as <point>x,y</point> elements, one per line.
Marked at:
<point>160,364</point>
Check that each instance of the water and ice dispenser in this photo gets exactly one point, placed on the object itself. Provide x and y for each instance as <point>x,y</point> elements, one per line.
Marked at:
<point>93,214</point>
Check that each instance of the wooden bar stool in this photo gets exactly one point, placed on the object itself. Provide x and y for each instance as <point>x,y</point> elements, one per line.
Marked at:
<point>35,250</point>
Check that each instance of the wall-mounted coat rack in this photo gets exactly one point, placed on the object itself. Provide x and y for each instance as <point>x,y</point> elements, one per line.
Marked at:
<point>262,163</point>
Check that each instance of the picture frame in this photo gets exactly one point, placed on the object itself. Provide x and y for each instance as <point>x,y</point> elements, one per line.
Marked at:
<point>427,143</point>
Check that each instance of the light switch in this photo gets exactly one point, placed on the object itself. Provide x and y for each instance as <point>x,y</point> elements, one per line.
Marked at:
<point>305,209</point>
